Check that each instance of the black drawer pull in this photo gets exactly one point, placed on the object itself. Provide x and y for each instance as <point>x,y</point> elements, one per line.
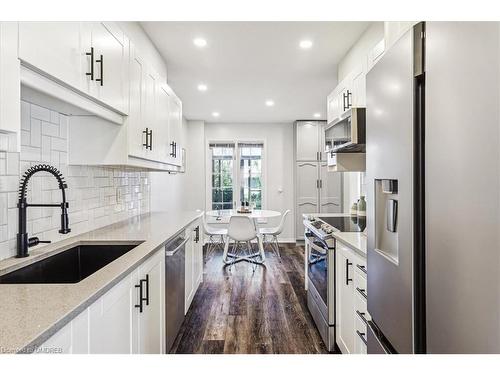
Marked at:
<point>362,292</point>
<point>172,149</point>
<point>362,268</point>
<point>347,264</point>
<point>101,62</point>
<point>140,296</point>
<point>91,54</point>
<point>362,337</point>
<point>149,139</point>
<point>146,280</point>
<point>362,316</point>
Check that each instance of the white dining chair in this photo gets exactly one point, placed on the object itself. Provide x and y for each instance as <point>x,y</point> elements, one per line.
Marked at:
<point>215,237</point>
<point>273,233</point>
<point>242,230</point>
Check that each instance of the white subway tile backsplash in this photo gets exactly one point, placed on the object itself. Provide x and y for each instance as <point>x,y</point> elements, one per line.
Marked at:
<point>92,191</point>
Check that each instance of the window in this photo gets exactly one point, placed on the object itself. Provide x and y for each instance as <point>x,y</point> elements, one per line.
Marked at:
<point>236,174</point>
<point>222,176</point>
<point>251,173</point>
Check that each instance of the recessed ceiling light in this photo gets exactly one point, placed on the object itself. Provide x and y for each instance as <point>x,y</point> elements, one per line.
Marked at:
<point>305,44</point>
<point>202,87</point>
<point>317,115</point>
<point>215,114</point>
<point>269,103</point>
<point>199,42</point>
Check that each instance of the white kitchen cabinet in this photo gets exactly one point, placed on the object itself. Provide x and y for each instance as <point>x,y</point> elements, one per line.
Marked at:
<point>308,140</point>
<point>111,319</point>
<point>350,300</point>
<point>193,263</point>
<point>330,189</point>
<point>55,49</point>
<point>110,65</point>
<point>333,105</point>
<point>175,129</point>
<point>151,321</point>
<point>358,86</point>
<point>137,73</point>
<point>10,90</point>
<point>114,323</point>
<point>345,318</point>
<point>393,30</point>
<point>375,54</point>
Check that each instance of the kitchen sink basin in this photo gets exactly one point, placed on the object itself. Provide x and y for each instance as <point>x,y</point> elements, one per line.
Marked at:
<point>69,266</point>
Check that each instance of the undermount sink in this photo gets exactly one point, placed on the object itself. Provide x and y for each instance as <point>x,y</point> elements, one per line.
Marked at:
<point>69,266</point>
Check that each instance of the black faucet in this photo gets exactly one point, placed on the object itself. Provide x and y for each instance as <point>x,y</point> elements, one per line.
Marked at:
<point>23,242</point>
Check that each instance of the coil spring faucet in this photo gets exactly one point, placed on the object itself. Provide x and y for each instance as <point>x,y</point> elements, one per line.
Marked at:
<point>23,242</point>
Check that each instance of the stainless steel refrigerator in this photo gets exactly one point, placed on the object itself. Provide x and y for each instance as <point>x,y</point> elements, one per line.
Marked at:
<point>433,188</point>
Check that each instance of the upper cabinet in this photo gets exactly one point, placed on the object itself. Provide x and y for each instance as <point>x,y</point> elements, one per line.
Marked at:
<point>309,140</point>
<point>89,57</point>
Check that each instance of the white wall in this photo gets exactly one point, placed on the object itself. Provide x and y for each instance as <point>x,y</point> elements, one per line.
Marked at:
<point>373,34</point>
<point>279,161</point>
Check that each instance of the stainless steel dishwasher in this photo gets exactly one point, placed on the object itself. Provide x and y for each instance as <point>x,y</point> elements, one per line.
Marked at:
<point>175,253</point>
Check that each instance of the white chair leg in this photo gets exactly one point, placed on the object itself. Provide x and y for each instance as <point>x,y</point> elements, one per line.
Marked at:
<point>277,247</point>
<point>261,249</point>
<point>226,250</point>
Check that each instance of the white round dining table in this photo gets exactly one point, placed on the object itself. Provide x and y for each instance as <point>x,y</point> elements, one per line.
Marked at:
<point>255,214</point>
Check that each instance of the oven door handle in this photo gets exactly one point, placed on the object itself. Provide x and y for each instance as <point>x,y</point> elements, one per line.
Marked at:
<point>313,246</point>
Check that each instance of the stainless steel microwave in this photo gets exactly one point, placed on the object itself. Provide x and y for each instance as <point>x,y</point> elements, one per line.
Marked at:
<point>347,133</point>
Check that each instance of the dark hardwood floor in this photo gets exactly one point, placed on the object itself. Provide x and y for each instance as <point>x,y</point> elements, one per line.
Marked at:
<point>238,311</point>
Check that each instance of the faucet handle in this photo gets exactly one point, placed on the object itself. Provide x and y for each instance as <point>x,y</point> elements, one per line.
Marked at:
<point>33,241</point>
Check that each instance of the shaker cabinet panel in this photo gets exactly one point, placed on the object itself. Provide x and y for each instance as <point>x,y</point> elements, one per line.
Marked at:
<point>345,317</point>
<point>175,129</point>
<point>55,49</point>
<point>110,65</point>
<point>307,140</point>
<point>330,190</point>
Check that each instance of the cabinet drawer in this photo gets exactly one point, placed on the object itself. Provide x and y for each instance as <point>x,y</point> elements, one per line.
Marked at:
<point>360,307</point>
<point>360,285</point>
<point>360,339</point>
<point>360,266</point>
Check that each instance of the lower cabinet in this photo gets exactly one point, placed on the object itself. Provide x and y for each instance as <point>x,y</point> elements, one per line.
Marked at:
<point>351,312</point>
<point>129,318</point>
<point>193,262</point>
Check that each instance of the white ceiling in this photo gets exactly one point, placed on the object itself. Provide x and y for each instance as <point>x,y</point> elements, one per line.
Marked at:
<point>246,63</point>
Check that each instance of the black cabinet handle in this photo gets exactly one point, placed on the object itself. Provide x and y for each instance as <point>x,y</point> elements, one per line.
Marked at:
<point>362,316</point>
<point>172,151</point>
<point>146,280</point>
<point>344,96</point>
<point>101,62</point>
<point>175,149</point>
<point>347,264</point>
<point>197,237</point>
<point>362,336</point>
<point>362,268</point>
<point>349,99</point>
<point>140,296</point>
<point>149,139</point>
<point>91,54</point>
<point>362,292</point>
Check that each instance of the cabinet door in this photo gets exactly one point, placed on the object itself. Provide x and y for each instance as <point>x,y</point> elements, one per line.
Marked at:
<point>110,46</point>
<point>136,137</point>
<point>150,112</point>
<point>333,106</point>
<point>152,319</point>
<point>330,200</point>
<point>111,319</point>
<point>359,86</point>
<point>344,302</point>
<point>307,193</point>
<point>55,49</point>
<point>189,285</point>
<point>307,142</point>
<point>175,128</point>
<point>345,94</point>
<point>163,148</point>
<point>197,257</point>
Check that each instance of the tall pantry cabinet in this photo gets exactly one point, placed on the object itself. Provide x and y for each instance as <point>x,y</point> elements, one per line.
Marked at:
<point>316,189</point>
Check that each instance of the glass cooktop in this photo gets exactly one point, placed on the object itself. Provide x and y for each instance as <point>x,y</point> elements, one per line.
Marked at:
<point>346,223</point>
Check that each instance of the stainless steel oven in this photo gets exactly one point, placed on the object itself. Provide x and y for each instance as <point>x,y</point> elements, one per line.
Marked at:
<point>321,286</point>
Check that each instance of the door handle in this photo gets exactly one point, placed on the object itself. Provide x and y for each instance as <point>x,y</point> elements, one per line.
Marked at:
<point>149,136</point>
<point>172,151</point>
<point>197,237</point>
<point>91,54</point>
<point>146,280</point>
<point>101,62</point>
<point>343,101</point>
<point>349,102</point>
<point>362,316</point>
<point>347,264</point>
<point>151,139</point>
<point>362,268</point>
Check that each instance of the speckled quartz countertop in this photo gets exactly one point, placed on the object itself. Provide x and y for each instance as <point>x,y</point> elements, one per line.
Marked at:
<point>355,240</point>
<point>31,313</point>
